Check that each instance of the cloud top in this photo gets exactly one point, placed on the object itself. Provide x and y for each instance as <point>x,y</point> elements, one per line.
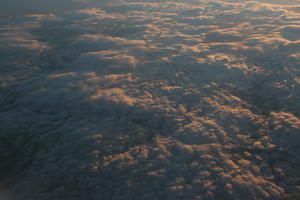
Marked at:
<point>152,100</point>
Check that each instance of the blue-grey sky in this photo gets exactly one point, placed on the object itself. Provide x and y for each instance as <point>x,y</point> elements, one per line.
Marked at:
<point>20,7</point>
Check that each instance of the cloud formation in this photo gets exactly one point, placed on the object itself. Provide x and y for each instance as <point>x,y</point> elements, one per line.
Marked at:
<point>152,100</point>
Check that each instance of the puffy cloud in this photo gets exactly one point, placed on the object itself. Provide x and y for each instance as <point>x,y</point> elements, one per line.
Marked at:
<point>152,100</point>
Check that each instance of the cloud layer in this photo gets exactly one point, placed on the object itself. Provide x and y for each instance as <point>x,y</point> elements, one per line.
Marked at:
<point>152,100</point>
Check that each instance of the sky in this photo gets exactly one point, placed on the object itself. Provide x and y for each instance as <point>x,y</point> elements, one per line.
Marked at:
<point>16,7</point>
<point>149,99</point>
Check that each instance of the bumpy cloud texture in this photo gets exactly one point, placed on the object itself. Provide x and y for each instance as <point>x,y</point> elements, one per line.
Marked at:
<point>152,100</point>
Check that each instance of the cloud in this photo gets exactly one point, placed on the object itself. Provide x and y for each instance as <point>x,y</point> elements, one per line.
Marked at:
<point>291,32</point>
<point>151,100</point>
<point>100,42</point>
